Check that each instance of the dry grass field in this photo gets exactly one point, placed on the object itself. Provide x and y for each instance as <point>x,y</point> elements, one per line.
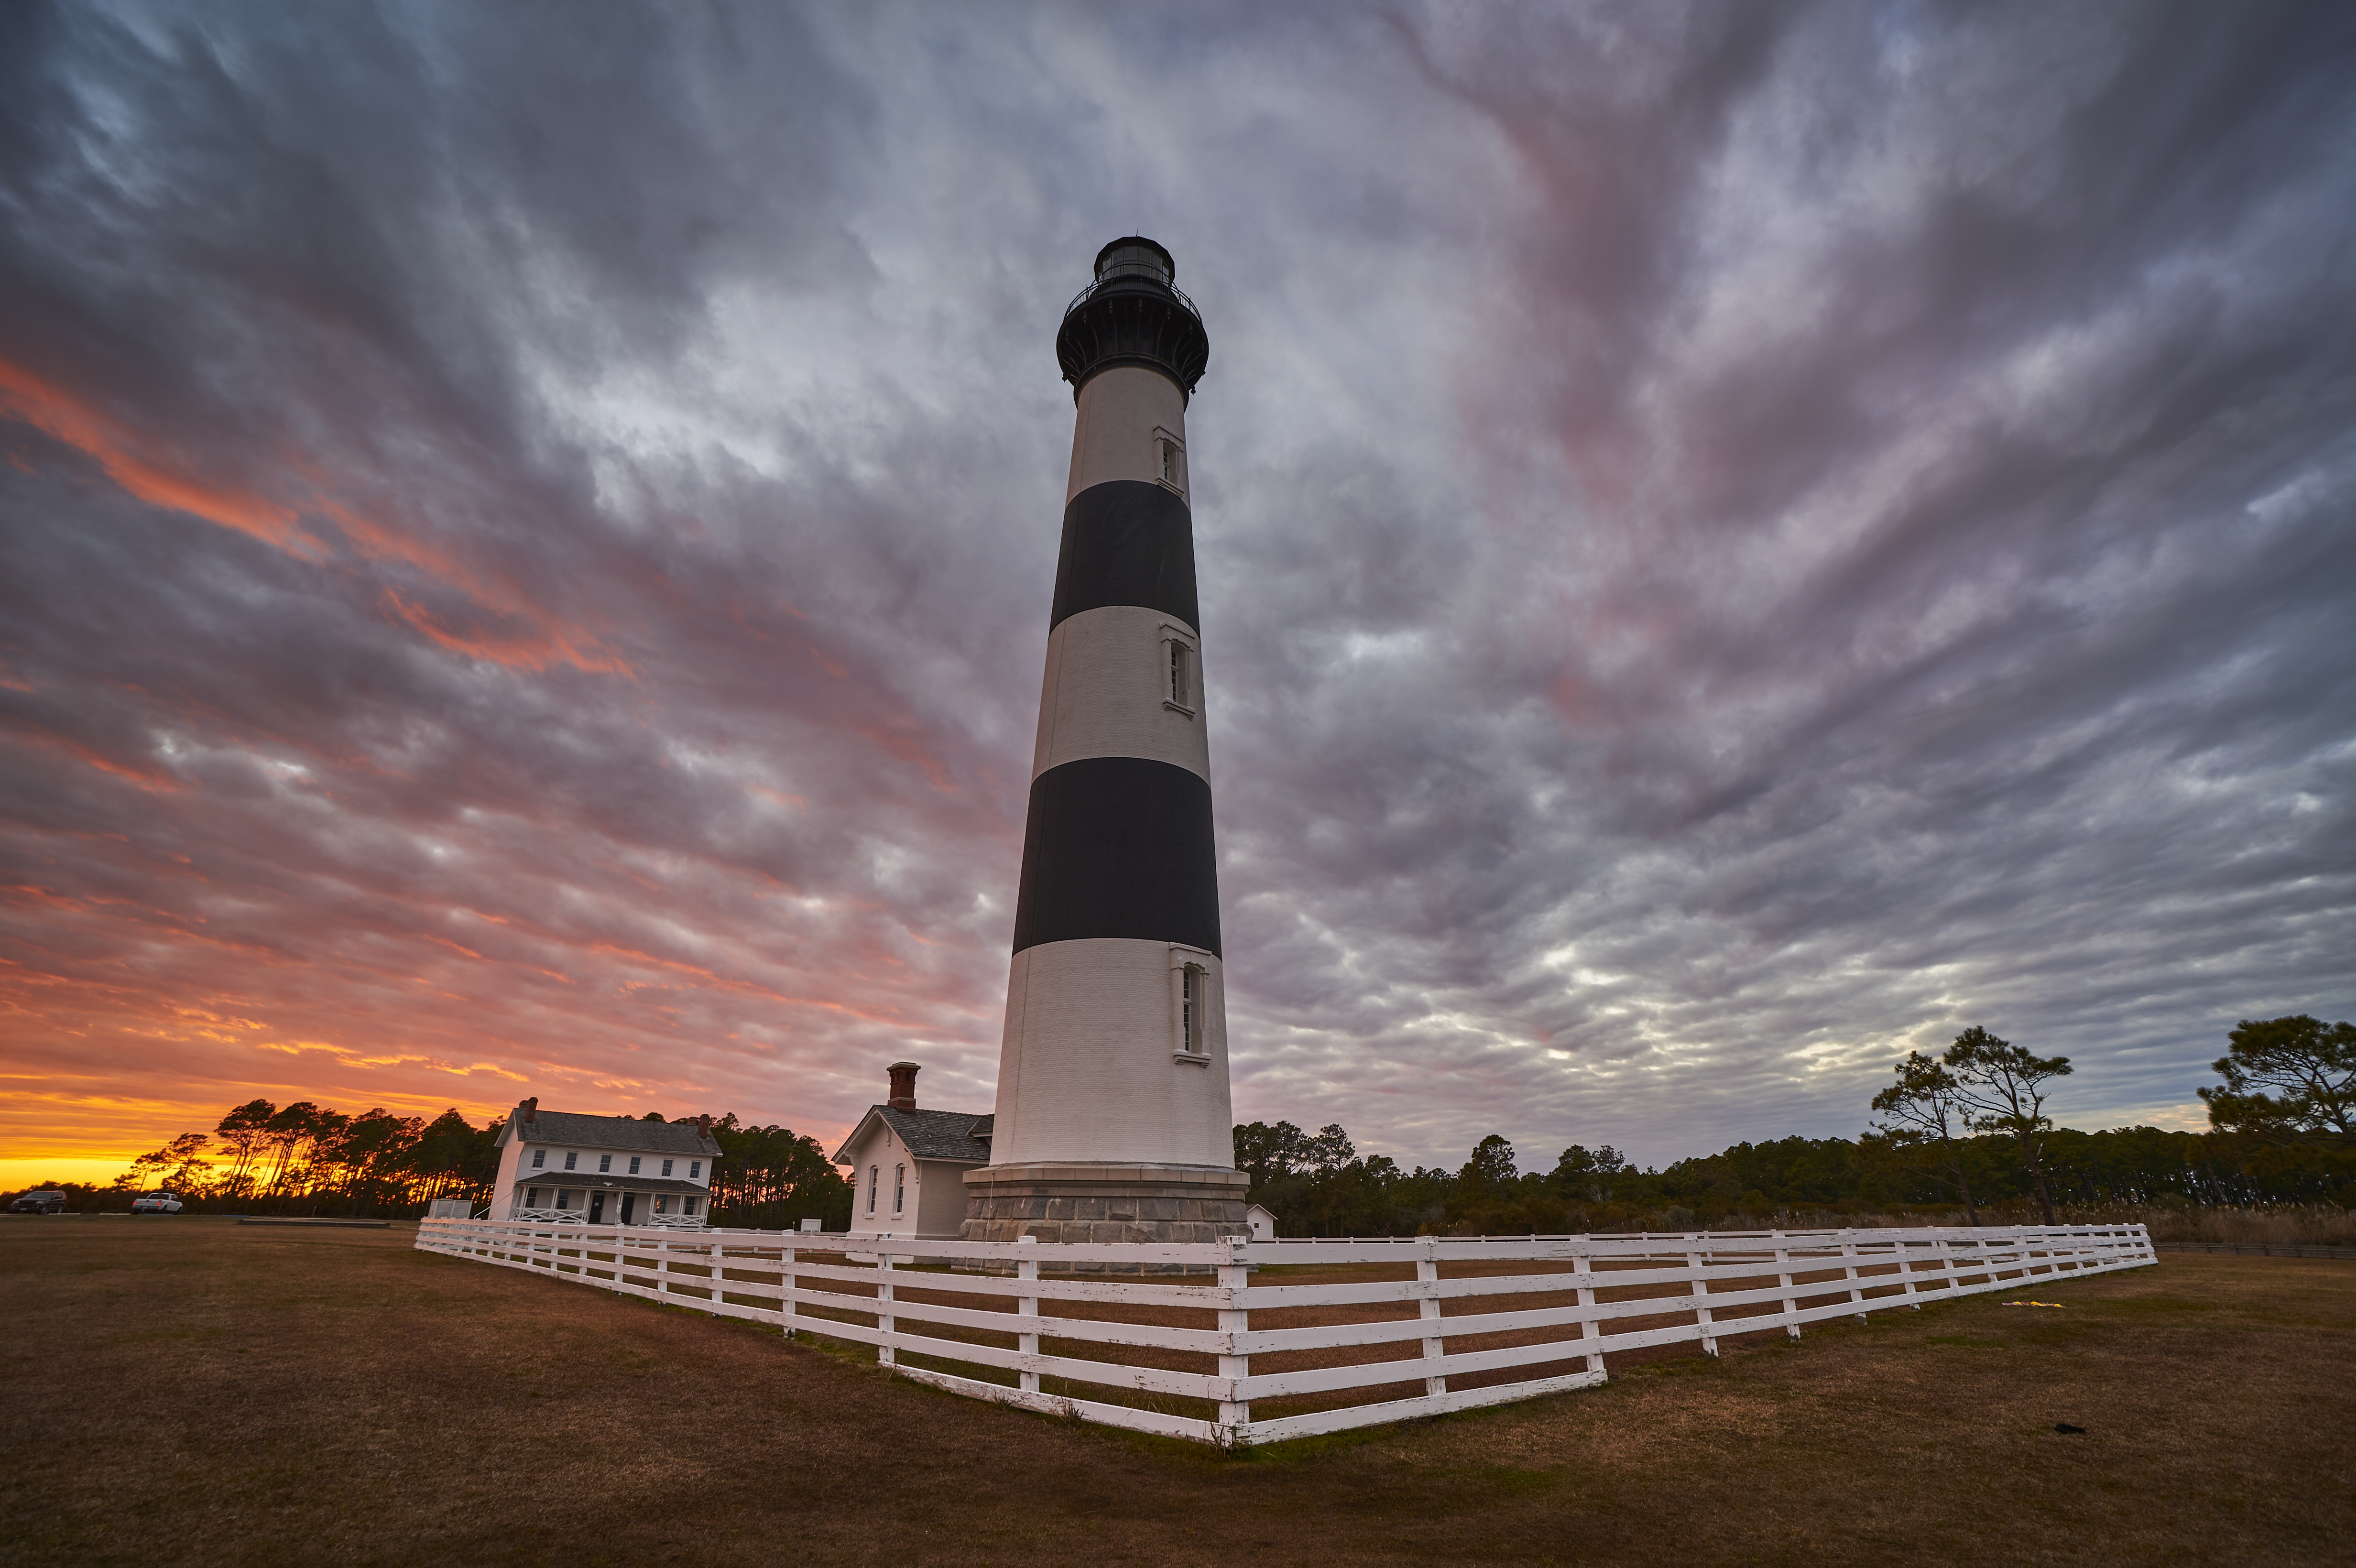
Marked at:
<point>185,1391</point>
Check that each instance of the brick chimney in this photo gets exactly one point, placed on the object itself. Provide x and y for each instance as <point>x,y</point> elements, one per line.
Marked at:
<point>904,1085</point>
<point>530,1109</point>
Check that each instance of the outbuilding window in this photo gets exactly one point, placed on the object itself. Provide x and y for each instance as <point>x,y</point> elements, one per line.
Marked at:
<point>690,1207</point>
<point>531,1198</point>
<point>874,1173</point>
<point>899,1188</point>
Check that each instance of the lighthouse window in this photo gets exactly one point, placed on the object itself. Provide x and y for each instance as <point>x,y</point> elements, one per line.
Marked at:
<point>1177,672</point>
<point>1170,460</point>
<point>1190,1009</point>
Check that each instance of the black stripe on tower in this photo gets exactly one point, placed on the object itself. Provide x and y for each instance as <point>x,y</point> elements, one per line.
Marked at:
<point>1119,847</point>
<point>1126,542</point>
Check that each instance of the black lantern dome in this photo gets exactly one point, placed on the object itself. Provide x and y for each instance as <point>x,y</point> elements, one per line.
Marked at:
<point>1133,314</point>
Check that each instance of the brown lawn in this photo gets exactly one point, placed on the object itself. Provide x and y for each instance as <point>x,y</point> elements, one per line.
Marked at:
<point>189,1391</point>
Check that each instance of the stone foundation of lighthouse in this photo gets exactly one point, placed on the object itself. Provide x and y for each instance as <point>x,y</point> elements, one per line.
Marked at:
<point>1113,1121</point>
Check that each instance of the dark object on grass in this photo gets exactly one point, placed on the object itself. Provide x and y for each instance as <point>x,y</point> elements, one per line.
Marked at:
<point>47,1201</point>
<point>2065,1427</point>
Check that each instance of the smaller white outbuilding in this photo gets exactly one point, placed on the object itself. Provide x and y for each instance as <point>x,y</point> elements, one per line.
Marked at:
<point>907,1165</point>
<point>603,1171</point>
<point>1262,1222</point>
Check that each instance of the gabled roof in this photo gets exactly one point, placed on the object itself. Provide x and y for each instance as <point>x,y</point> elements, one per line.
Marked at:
<point>606,1131</point>
<point>928,1135</point>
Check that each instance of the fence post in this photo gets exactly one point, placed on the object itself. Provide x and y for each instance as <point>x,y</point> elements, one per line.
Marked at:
<point>884,1324</point>
<point>1589,1328</point>
<point>1235,1278</point>
<point>1427,1307</point>
<point>1027,1306</point>
<point>1783,1278</point>
<point>785,1285</point>
<point>1906,1271</point>
<point>1701,1303</point>
<point>1848,1258</point>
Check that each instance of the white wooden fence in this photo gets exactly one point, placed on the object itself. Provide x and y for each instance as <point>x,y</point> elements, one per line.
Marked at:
<point>1333,1334</point>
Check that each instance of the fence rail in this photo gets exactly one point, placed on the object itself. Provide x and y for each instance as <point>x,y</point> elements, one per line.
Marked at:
<point>1357,1332</point>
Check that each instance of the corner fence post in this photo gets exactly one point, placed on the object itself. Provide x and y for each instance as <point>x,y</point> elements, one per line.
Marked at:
<point>884,1324</point>
<point>1427,1307</point>
<point>1701,1302</point>
<point>1026,1345</point>
<point>1235,1278</point>
<point>1783,1278</point>
<point>1589,1331</point>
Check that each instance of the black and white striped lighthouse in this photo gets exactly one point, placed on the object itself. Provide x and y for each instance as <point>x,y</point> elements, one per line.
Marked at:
<point>1113,1121</point>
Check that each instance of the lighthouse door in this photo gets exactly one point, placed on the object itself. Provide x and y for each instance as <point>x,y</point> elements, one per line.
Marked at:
<point>597,1207</point>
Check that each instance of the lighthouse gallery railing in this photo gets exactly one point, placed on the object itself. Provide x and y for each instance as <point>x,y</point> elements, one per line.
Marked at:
<point>1386,1330</point>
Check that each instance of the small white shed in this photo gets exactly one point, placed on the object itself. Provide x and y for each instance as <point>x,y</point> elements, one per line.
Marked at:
<point>1262,1222</point>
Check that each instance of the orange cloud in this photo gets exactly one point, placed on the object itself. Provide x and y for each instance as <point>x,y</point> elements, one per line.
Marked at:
<point>158,480</point>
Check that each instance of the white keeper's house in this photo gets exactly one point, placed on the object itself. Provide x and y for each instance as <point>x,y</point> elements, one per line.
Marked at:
<point>603,1171</point>
<point>907,1165</point>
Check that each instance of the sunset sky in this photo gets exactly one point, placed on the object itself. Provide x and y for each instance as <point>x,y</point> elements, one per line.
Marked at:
<point>1735,541</point>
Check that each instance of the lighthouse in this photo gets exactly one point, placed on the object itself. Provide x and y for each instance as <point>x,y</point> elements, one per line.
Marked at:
<point>1113,1121</point>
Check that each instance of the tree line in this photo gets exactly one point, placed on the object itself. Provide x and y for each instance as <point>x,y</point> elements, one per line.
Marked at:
<point>1966,1130</point>
<point>308,1158</point>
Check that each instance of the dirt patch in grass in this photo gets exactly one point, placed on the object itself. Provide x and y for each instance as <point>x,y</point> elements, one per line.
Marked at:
<point>190,1391</point>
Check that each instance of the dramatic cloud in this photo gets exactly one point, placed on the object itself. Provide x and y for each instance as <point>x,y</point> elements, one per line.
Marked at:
<point>1735,541</point>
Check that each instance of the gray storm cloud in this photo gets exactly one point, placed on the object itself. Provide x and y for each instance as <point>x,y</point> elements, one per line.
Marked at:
<point>1736,541</point>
